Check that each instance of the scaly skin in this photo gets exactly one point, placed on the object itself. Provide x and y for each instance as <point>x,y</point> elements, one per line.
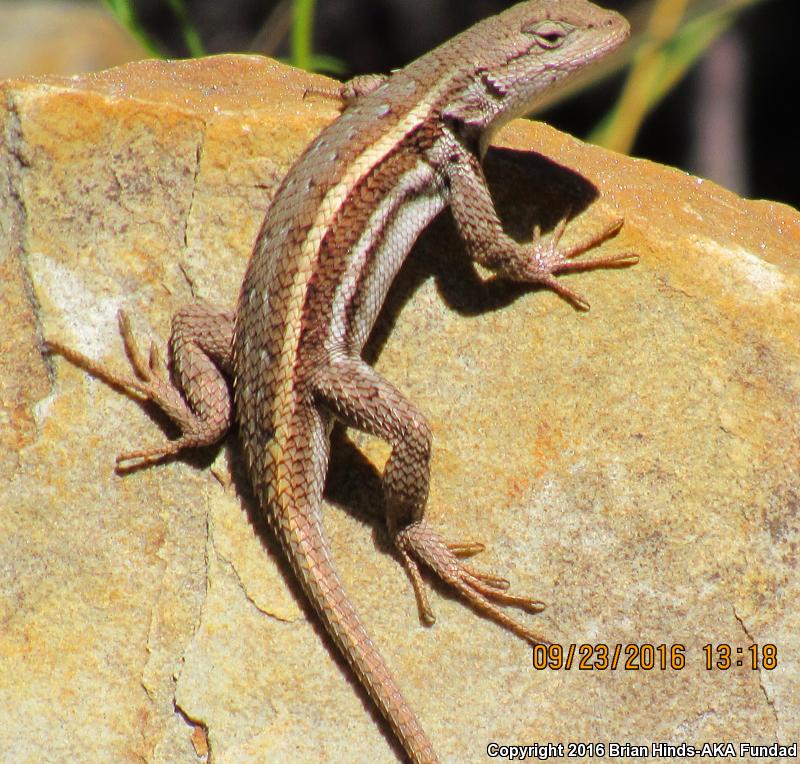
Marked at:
<point>338,230</point>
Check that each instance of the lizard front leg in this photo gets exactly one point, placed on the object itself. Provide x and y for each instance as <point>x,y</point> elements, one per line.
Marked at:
<point>192,389</point>
<point>357,395</point>
<point>537,262</point>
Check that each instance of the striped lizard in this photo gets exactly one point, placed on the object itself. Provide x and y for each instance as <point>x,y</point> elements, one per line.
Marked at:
<point>337,231</point>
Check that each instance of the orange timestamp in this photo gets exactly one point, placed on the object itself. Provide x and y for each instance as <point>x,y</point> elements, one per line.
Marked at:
<point>723,656</point>
<point>649,657</point>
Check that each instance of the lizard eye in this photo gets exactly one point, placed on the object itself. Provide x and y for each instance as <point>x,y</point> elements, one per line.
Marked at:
<point>548,34</point>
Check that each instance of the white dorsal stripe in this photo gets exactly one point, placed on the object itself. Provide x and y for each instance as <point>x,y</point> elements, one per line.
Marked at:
<point>327,210</point>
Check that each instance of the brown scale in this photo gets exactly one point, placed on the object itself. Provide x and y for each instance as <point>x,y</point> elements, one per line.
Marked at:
<point>348,226</point>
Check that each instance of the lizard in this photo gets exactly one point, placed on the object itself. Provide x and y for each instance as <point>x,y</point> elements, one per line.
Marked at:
<point>286,363</point>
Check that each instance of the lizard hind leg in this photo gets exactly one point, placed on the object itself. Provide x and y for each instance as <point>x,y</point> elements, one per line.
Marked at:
<point>191,390</point>
<point>357,395</point>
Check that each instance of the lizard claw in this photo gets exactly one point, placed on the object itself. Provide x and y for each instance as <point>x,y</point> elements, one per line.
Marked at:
<point>150,381</point>
<point>466,548</point>
<point>548,260</point>
<point>124,382</point>
<point>418,541</point>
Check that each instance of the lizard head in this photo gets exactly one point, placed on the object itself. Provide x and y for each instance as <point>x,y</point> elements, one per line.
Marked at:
<point>515,60</point>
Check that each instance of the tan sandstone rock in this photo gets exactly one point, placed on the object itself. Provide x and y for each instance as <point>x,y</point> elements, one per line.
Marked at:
<point>636,466</point>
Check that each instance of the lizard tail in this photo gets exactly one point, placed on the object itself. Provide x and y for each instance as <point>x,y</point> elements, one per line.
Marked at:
<point>307,550</point>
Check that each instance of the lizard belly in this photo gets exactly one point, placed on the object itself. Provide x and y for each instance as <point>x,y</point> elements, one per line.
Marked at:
<point>363,251</point>
<point>380,253</point>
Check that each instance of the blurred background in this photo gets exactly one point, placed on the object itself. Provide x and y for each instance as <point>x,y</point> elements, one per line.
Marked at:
<point>709,86</point>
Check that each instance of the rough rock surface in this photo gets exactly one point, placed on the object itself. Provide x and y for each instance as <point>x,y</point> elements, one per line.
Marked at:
<point>636,466</point>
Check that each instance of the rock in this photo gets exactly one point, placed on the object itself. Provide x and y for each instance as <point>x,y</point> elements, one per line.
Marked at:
<point>635,466</point>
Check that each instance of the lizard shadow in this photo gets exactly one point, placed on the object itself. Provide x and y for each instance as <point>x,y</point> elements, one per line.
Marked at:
<point>528,189</point>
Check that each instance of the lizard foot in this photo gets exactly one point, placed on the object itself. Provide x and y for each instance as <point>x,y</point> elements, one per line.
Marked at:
<point>151,383</point>
<point>419,542</point>
<point>548,260</point>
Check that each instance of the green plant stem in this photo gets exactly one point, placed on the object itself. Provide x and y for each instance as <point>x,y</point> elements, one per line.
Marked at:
<point>302,28</point>
<point>122,10</point>
<point>188,31</point>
